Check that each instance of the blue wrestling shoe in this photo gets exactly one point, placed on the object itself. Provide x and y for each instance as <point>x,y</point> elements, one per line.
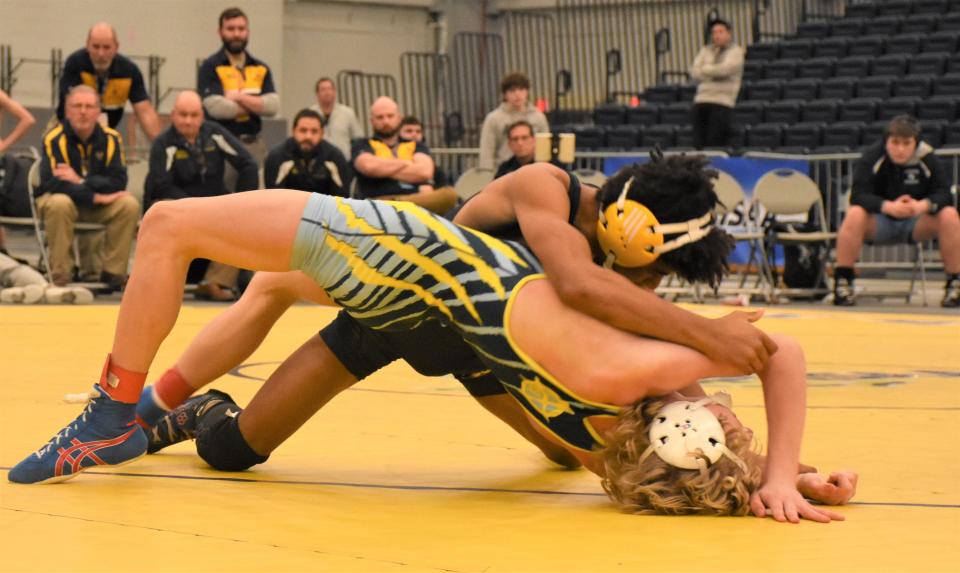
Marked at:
<point>180,424</point>
<point>103,435</point>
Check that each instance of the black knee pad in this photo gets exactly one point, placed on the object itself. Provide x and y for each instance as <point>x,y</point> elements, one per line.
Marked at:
<point>220,443</point>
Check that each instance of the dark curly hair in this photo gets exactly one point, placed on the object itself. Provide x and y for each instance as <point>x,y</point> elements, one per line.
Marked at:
<point>676,189</point>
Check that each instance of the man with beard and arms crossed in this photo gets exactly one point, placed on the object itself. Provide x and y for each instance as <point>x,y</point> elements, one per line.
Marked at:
<point>307,162</point>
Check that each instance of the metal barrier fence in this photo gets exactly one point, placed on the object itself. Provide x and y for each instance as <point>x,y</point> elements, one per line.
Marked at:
<point>359,89</point>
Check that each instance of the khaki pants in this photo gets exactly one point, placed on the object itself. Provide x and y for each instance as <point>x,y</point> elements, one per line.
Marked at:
<point>59,213</point>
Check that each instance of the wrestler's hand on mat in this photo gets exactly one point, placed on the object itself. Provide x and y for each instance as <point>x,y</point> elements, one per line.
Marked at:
<point>783,502</point>
<point>736,341</point>
<point>837,489</point>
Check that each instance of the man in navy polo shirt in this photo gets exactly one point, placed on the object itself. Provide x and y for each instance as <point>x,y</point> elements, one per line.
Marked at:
<point>115,78</point>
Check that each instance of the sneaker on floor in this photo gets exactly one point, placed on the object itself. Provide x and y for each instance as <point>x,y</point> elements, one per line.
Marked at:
<point>104,434</point>
<point>30,294</point>
<point>180,424</point>
<point>67,295</point>
<point>844,295</point>
<point>951,295</point>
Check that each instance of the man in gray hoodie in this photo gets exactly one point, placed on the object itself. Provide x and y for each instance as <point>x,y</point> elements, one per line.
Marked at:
<point>718,69</point>
<point>515,89</point>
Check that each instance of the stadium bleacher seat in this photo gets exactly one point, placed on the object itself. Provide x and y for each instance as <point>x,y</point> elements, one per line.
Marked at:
<point>859,109</point>
<point>875,87</point>
<point>947,85</point>
<point>914,85</point>
<point>852,66</point>
<point>830,48</point>
<point>813,30</point>
<point>780,70</point>
<point>801,88</point>
<point>882,25</point>
<point>662,93</point>
<point>684,137</point>
<point>783,111</point>
<point>942,41</point>
<point>893,8</point>
<point>929,64</point>
<point>953,64</point>
<point>663,135</point>
<point>795,49</point>
<point>939,108</point>
<point>764,136</point>
<point>860,10</point>
<point>873,131</point>
<point>819,111</point>
<point>842,135</point>
<point>904,44</point>
<point>929,6</point>
<point>819,68</point>
<point>892,107</point>
<point>838,88</point>
<point>803,136</point>
<point>951,134</point>
<point>950,22</point>
<point>889,65</point>
<point>867,46</point>
<point>847,27</point>
<point>609,114</point>
<point>763,51</point>
<point>676,113</point>
<point>624,136</point>
<point>749,112</point>
<point>687,92</point>
<point>753,70</point>
<point>590,137</point>
<point>765,90</point>
<point>932,132</point>
<point>919,24</point>
<point>647,114</point>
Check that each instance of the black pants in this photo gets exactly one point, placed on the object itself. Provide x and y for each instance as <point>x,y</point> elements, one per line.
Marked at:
<point>711,125</point>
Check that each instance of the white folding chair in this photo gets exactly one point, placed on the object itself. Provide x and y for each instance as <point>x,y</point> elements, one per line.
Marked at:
<point>736,215</point>
<point>472,181</point>
<point>591,177</point>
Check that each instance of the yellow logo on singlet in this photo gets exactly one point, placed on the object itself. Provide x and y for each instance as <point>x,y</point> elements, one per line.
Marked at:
<point>543,399</point>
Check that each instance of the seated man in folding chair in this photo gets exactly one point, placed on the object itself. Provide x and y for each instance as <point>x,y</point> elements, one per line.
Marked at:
<point>83,177</point>
<point>900,195</point>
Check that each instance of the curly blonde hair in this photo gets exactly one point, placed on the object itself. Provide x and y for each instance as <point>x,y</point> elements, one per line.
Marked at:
<point>655,487</point>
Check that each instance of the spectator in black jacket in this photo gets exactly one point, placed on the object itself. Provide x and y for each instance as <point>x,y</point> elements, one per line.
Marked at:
<point>900,195</point>
<point>189,160</point>
<point>307,162</point>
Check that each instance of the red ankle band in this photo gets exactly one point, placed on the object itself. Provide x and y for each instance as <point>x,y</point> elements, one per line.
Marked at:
<point>172,389</point>
<point>120,384</point>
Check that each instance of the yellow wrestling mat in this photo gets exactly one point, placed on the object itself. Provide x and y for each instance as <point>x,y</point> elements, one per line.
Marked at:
<point>404,473</point>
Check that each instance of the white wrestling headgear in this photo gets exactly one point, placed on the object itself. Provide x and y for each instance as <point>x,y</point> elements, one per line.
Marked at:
<point>631,236</point>
<point>682,430</point>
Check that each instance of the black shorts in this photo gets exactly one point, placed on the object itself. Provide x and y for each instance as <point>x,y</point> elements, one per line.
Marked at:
<point>431,349</point>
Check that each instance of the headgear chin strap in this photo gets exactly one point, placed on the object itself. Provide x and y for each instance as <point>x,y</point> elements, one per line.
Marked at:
<point>683,433</point>
<point>631,236</point>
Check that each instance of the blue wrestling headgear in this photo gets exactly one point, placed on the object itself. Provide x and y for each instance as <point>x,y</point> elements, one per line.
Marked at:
<point>631,236</point>
<point>683,433</point>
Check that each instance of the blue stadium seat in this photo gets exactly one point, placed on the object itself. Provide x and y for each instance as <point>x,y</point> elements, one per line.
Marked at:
<point>904,44</point>
<point>803,136</point>
<point>801,88</point>
<point>889,65</point>
<point>647,114</point>
<point>939,108</point>
<point>853,66</point>
<point>820,111</point>
<point>930,64</point>
<point>624,136</point>
<point>753,70</point>
<point>929,6</point>
<point>847,27</point>
<point>893,8</point>
<point>813,30</point>
<point>890,108</point>
<point>819,68</point>
<point>842,135</point>
<point>867,46</point>
<point>882,25</point>
<point>749,112</point>
<point>663,93</point>
<point>780,70</point>
<point>783,111</point>
<point>919,24</point>
<point>876,86</point>
<point>676,113</point>
<point>663,135</point>
<point>764,136</point>
<point>830,48</point>
<point>838,88</point>
<point>860,10</point>
<point>795,49</point>
<point>942,41</point>
<point>765,90</point>
<point>590,136</point>
<point>609,114</point>
<point>947,85</point>
<point>916,86</point>
<point>763,51</point>
<point>860,109</point>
